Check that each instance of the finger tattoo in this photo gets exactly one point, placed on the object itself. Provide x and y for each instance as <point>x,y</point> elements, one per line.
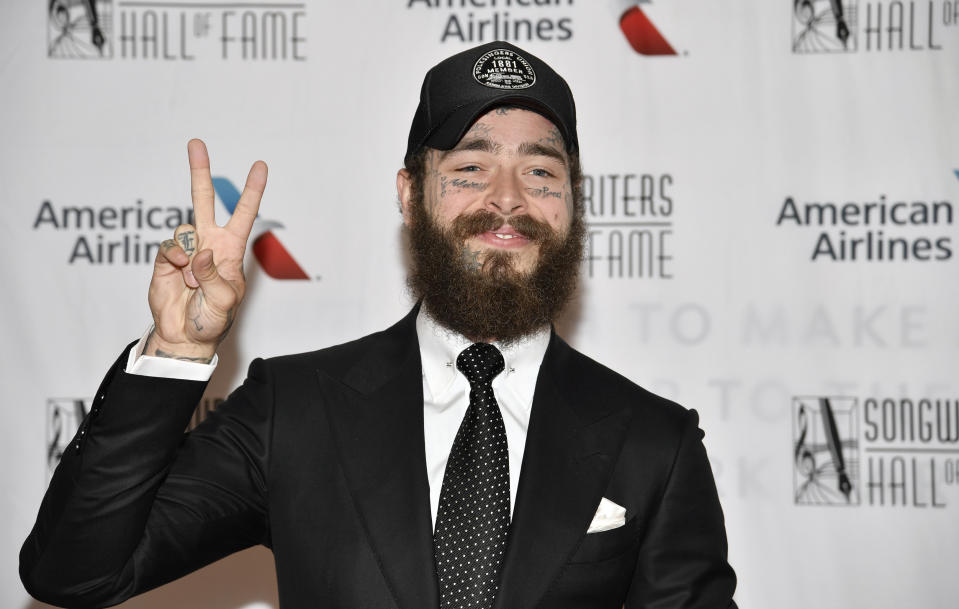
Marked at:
<point>187,241</point>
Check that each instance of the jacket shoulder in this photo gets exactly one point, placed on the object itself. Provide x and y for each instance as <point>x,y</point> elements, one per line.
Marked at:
<point>607,388</point>
<point>378,351</point>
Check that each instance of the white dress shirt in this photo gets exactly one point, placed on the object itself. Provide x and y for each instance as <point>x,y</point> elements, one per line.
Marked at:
<point>150,365</point>
<point>445,392</point>
<point>446,397</point>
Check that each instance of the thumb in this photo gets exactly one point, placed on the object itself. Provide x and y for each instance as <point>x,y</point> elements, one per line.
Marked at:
<point>216,289</point>
<point>203,267</point>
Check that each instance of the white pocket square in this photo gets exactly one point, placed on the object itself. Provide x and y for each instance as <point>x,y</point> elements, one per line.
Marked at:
<point>608,516</point>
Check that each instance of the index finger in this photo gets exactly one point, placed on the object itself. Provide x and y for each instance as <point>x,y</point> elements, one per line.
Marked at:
<point>201,184</point>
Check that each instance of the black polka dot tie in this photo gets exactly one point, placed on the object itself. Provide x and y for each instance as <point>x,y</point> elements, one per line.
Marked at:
<point>473,516</point>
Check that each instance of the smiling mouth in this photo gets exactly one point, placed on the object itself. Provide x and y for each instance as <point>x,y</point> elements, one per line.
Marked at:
<point>504,237</point>
<point>507,232</point>
<point>498,231</point>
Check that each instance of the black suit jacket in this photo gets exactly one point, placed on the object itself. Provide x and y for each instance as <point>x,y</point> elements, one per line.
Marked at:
<point>320,456</point>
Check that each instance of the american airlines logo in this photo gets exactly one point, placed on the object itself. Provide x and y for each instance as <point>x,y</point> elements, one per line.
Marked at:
<point>641,33</point>
<point>275,260</point>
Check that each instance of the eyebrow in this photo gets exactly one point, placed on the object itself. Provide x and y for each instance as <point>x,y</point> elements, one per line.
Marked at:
<point>537,149</point>
<point>483,144</point>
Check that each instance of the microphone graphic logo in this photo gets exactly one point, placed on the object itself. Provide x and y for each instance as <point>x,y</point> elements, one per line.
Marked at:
<point>641,33</point>
<point>273,257</point>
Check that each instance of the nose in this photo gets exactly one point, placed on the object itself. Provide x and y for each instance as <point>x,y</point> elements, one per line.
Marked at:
<point>505,194</point>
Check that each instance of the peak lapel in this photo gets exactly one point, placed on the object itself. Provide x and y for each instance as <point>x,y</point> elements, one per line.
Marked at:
<point>376,413</point>
<point>571,447</point>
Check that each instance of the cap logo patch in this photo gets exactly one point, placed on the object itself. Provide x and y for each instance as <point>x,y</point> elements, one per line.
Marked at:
<point>503,69</point>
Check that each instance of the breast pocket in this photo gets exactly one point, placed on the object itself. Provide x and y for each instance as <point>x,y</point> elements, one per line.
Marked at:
<point>605,545</point>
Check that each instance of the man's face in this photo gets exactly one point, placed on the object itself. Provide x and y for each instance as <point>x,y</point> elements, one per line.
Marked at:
<point>495,246</point>
<point>511,163</point>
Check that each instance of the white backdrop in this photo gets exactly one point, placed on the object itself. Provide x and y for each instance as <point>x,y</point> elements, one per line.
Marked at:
<point>734,152</point>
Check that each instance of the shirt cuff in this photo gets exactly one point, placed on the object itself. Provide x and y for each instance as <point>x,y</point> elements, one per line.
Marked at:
<point>166,367</point>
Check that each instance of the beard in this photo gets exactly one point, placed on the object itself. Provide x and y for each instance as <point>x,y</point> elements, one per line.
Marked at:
<point>488,299</point>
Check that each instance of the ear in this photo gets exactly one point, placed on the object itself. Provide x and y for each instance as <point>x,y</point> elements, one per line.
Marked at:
<point>403,184</point>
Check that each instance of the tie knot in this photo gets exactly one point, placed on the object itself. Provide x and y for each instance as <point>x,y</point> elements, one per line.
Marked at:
<point>480,363</point>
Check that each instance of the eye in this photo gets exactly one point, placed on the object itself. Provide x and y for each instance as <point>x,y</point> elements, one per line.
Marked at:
<point>469,168</point>
<point>540,172</point>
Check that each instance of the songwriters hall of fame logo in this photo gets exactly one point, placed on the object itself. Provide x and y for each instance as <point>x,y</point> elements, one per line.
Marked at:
<point>176,30</point>
<point>79,29</point>
<point>64,416</point>
<point>825,451</point>
<point>824,26</point>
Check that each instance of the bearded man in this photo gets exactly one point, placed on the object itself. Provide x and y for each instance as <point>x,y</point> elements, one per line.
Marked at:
<point>465,457</point>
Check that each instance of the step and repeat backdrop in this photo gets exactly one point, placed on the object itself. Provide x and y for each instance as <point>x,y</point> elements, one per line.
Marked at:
<point>772,193</point>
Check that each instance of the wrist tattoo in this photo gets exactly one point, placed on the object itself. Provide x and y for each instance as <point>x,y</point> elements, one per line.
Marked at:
<point>202,360</point>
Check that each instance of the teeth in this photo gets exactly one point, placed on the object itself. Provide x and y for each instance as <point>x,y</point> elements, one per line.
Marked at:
<point>504,236</point>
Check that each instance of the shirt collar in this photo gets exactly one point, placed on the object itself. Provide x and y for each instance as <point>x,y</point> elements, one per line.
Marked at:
<point>439,348</point>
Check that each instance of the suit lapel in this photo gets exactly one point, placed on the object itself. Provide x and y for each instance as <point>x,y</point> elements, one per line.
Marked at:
<point>376,413</point>
<point>571,447</point>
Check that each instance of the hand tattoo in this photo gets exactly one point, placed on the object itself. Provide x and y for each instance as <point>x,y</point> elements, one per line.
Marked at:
<point>230,316</point>
<point>197,306</point>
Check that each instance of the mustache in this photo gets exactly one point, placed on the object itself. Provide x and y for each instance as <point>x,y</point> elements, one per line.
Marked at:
<point>482,221</point>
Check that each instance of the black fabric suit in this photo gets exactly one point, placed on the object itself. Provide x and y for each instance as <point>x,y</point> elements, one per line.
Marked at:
<point>320,456</point>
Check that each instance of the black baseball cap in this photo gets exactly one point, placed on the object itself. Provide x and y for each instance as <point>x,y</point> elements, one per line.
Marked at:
<point>461,88</point>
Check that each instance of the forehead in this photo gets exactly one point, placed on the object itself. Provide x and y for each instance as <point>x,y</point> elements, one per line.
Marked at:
<point>509,124</point>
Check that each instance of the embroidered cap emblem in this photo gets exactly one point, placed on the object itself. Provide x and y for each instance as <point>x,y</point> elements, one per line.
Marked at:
<point>503,69</point>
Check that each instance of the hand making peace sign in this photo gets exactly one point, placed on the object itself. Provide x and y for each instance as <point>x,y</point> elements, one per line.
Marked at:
<point>198,280</point>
